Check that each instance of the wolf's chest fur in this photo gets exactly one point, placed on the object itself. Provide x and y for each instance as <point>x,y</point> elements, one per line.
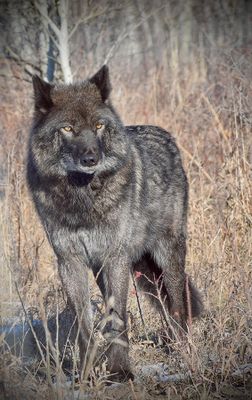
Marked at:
<point>98,219</point>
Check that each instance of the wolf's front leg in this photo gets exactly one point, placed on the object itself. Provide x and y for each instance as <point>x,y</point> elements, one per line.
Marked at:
<point>74,278</point>
<point>113,280</point>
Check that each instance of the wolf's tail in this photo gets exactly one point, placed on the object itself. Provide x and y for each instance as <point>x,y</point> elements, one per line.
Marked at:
<point>149,280</point>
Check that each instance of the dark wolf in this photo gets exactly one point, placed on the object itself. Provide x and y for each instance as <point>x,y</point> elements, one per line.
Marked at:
<point>112,198</point>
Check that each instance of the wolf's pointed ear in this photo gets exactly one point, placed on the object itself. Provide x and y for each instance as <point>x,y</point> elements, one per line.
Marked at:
<point>102,81</point>
<point>42,94</point>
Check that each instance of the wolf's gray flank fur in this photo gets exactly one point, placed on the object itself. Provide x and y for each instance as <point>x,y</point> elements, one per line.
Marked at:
<point>112,198</point>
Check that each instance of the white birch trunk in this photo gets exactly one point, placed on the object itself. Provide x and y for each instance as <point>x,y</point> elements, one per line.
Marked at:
<point>44,40</point>
<point>64,43</point>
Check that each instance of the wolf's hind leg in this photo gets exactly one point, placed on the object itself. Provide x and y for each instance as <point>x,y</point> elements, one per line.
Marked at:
<point>151,283</point>
<point>169,254</point>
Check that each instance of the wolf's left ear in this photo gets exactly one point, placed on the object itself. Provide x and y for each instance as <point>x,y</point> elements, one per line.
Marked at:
<point>42,94</point>
<point>102,81</point>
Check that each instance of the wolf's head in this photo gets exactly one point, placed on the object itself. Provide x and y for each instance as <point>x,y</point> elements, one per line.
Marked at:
<point>75,128</point>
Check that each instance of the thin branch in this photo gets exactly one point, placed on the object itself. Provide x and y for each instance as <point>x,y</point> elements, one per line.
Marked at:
<point>189,304</point>
<point>197,163</point>
<point>127,33</point>
<point>86,19</point>
<point>17,58</point>
<point>31,326</point>
<point>18,78</point>
<point>52,25</point>
<point>217,119</point>
<point>139,304</point>
<point>54,40</point>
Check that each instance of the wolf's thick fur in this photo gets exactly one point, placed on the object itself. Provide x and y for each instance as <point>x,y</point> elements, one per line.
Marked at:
<point>111,198</point>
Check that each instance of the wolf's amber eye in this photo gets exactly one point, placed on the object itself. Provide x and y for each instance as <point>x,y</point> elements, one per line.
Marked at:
<point>67,129</point>
<point>99,126</point>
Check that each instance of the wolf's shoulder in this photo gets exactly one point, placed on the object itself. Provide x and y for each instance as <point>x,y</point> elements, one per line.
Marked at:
<point>149,135</point>
<point>148,131</point>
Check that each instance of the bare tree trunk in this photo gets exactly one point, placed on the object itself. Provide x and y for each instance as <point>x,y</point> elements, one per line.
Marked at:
<point>44,41</point>
<point>61,36</point>
<point>64,42</point>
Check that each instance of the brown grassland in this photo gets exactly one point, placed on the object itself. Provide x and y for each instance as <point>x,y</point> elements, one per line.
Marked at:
<point>209,114</point>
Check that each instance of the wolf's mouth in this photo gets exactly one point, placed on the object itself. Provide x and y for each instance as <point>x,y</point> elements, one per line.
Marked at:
<point>106,163</point>
<point>79,179</point>
<point>72,166</point>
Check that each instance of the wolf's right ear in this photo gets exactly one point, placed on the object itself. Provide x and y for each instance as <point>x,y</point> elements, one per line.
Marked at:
<point>42,95</point>
<point>102,82</point>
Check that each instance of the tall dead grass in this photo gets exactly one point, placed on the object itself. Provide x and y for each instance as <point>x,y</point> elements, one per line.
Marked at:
<point>211,120</point>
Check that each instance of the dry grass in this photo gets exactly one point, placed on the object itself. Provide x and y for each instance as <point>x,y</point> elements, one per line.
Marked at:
<point>210,119</point>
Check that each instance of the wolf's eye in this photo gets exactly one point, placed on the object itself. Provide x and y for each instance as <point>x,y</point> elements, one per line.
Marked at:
<point>67,129</point>
<point>99,125</point>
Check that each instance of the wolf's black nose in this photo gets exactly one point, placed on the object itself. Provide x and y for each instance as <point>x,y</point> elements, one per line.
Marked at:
<point>88,160</point>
